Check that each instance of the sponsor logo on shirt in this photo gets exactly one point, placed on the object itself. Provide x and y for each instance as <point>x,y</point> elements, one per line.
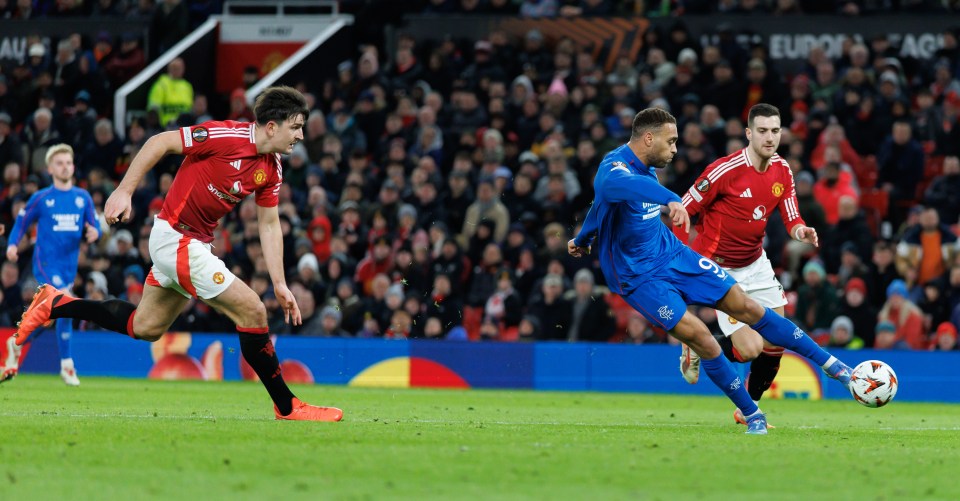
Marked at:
<point>236,188</point>
<point>235,164</point>
<point>200,134</point>
<point>66,222</point>
<point>777,189</point>
<point>746,194</point>
<point>223,196</point>
<point>759,213</point>
<point>703,185</point>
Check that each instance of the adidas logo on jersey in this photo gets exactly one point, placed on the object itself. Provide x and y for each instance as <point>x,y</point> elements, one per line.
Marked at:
<point>746,194</point>
<point>235,164</point>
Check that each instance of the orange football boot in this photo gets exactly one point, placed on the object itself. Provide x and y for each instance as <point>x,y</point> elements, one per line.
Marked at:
<point>38,313</point>
<point>306,412</point>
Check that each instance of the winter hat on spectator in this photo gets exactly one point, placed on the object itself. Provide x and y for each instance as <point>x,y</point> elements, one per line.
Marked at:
<point>584,275</point>
<point>407,210</point>
<point>552,279</point>
<point>889,77</point>
<point>687,54</point>
<point>557,87</point>
<point>850,247</point>
<point>898,287</point>
<point>308,260</point>
<point>529,156</point>
<point>814,267</point>
<point>842,321</point>
<point>804,176</point>
<point>886,326</point>
<point>395,290</point>
<point>37,50</point>
<point>135,270</point>
<point>349,205</point>
<point>945,329</point>
<point>99,281</point>
<point>856,284</point>
<point>82,96</point>
<point>503,172</point>
<point>124,236</point>
<point>330,311</point>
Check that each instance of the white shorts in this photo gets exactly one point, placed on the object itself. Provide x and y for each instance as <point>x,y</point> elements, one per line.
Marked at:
<point>185,264</point>
<point>759,282</point>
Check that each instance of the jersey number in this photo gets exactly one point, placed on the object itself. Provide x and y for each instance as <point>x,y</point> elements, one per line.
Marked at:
<point>714,267</point>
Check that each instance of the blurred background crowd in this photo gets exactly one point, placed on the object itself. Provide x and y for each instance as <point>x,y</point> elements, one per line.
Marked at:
<point>437,184</point>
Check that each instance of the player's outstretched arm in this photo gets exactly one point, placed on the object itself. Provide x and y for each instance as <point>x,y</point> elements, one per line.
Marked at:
<point>118,206</point>
<point>271,241</point>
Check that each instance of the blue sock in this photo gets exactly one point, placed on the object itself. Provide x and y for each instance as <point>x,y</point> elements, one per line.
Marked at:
<point>782,332</point>
<point>721,372</point>
<point>64,332</point>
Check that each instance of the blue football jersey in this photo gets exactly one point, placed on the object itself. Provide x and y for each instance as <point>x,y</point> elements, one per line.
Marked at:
<point>631,241</point>
<point>60,216</point>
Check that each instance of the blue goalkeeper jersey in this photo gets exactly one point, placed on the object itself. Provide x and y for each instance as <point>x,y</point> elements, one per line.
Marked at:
<point>60,216</point>
<point>631,241</point>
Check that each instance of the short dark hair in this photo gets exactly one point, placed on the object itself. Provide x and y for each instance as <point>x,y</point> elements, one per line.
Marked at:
<point>761,110</point>
<point>278,104</point>
<point>650,119</point>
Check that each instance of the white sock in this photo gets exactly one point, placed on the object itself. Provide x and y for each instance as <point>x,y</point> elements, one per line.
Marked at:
<point>830,362</point>
<point>759,412</point>
<point>66,363</point>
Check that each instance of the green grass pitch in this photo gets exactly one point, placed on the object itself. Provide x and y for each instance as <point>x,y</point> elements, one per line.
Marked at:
<point>137,439</point>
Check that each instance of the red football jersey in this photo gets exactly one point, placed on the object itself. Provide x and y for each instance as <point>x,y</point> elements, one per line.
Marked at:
<point>221,168</point>
<point>733,201</point>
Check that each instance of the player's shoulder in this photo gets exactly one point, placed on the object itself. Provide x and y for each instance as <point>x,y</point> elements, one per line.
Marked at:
<point>780,163</point>
<point>616,159</point>
<point>723,165</point>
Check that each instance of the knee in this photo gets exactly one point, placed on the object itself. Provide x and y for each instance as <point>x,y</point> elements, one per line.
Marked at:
<point>256,315</point>
<point>748,311</point>
<point>149,336</point>
<point>750,347</point>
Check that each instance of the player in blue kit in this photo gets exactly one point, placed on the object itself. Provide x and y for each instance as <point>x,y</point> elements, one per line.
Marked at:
<point>659,276</point>
<point>64,215</point>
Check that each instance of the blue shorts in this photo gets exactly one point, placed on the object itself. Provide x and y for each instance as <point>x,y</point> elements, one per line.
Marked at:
<point>689,278</point>
<point>56,276</point>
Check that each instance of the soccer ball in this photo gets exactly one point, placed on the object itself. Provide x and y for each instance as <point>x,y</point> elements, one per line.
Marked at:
<point>873,383</point>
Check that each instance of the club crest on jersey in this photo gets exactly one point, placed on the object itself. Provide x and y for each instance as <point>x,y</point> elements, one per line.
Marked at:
<point>218,278</point>
<point>200,134</point>
<point>703,185</point>
<point>50,202</point>
<point>665,313</point>
<point>79,202</point>
<point>259,177</point>
<point>777,189</point>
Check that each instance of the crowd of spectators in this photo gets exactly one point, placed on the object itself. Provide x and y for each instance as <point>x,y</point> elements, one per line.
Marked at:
<point>437,185</point>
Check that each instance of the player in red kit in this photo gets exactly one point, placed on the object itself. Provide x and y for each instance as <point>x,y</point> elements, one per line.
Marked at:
<point>224,163</point>
<point>733,197</point>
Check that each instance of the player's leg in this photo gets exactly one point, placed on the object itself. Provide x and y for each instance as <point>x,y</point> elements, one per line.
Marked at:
<point>116,315</point>
<point>243,306</point>
<point>660,303</point>
<point>781,332</point>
